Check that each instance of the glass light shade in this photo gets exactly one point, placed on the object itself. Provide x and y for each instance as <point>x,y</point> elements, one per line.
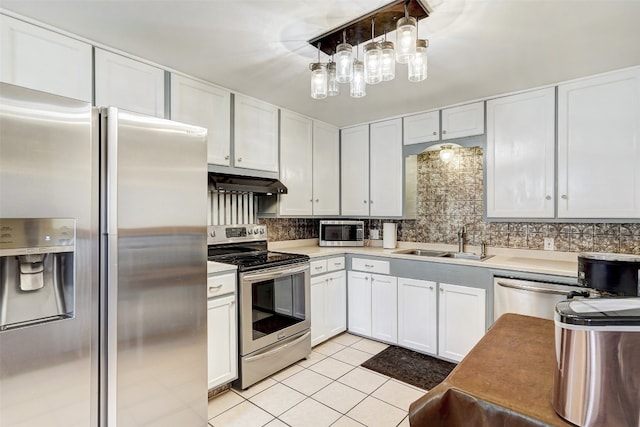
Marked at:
<point>446,153</point>
<point>372,63</point>
<point>388,61</point>
<point>406,33</point>
<point>344,62</point>
<point>333,88</point>
<point>418,62</point>
<point>358,84</point>
<point>318,80</point>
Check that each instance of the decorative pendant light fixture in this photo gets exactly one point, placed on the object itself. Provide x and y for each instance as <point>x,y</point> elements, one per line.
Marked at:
<point>318,78</point>
<point>372,60</point>
<point>406,33</point>
<point>333,88</point>
<point>358,83</point>
<point>388,60</point>
<point>344,60</point>
<point>379,58</point>
<point>418,62</point>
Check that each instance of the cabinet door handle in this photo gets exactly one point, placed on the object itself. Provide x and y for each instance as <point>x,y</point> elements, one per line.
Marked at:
<point>214,288</point>
<point>226,157</point>
<point>311,200</point>
<point>444,131</point>
<point>317,200</point>
<point>364,201</point>
<point>239,159</point>
<point>431,287</point>
<point>435,133</point>
<point>441,290</point>
<point>564,196</point>
<point>368,265</point>
<point>548,197</point>
<point>370,202</point>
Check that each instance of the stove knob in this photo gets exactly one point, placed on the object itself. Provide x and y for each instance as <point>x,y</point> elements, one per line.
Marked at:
<point>212,233</point>
<point>249,231</point>
<point>262,231</point>
<point>256,231</point>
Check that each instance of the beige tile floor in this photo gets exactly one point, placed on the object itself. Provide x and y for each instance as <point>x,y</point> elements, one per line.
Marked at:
<point>328,389</point>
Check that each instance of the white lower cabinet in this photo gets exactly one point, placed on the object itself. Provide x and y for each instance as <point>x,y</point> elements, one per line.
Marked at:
<point>462,319</point>
<point>222,335</point>
<point>384,308</point>
<point>222,338</point>
<point>417,315</point>
<point>328,303</point>
<point>359,303</point>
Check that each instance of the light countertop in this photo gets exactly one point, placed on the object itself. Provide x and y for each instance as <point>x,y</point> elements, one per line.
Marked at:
<point>524,260</point>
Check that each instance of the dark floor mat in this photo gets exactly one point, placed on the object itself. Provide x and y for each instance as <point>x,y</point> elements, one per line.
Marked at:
<point>410,367</point>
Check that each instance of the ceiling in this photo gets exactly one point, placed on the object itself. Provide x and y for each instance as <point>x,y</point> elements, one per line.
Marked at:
<point>478,48</point>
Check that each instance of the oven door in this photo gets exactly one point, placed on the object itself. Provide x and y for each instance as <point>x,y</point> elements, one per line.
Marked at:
<point>274,305</point>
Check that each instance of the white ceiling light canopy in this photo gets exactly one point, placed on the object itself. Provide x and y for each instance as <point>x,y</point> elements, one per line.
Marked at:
<point>380,57</point>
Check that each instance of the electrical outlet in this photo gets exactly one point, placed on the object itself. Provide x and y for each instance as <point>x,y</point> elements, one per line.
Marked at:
<point>374,234</point>
<point>549,244</point>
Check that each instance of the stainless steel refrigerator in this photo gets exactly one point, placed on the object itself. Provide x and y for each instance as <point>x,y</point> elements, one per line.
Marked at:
<point>102,266</point>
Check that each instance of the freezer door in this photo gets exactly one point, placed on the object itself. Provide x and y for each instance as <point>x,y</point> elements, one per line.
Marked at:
<point>48,186</point>
<point>154,223</point>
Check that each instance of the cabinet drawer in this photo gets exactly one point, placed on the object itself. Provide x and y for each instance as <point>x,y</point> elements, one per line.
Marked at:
<point>318,266</point>
<point>373,266</point>
<point>336,263</point>
<point>220,284</point>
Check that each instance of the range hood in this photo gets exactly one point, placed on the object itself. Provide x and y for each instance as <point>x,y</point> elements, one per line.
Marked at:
<point>246,184</point>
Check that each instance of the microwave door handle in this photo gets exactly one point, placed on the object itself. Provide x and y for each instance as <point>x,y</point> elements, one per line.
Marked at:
<point>256,277</point>
<point>533,288</point>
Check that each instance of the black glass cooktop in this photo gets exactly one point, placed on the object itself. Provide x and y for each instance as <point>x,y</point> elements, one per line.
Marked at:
<point>247,258</point>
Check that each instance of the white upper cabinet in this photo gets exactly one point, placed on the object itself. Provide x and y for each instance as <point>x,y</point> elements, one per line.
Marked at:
<point>465,120</point>
<point>205,105</point>
<point>255,127</point>
<point>326,169</point>
<point>354,167</point>
<point>128,84</point>
<point>296,161</point>
<point>40,59</point>
<point>520,155</point>
<point>423,127</point>
<point>599,146</point>
<point>386,162</point>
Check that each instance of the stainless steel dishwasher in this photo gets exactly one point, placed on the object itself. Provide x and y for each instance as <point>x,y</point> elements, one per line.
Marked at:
<point>529,297</point>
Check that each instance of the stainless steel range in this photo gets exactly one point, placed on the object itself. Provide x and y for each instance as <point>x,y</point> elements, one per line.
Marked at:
<point>274,311</point>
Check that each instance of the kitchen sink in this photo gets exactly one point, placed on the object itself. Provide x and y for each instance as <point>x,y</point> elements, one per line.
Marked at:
<point>443,254</point>
<point>422,252</point>
<point>467,255</point>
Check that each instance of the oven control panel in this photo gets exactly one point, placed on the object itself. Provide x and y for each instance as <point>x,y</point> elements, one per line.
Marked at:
<point>236,233</point>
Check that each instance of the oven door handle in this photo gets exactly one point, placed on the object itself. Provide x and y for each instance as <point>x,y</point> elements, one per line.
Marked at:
<point>256,277</point>
<point>533,288</point>
<point>279,349</point>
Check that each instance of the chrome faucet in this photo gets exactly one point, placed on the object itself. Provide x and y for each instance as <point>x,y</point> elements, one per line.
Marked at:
<point>462,235</point>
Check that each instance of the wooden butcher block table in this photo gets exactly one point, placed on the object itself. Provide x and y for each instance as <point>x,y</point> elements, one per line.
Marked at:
<point>505,380</point>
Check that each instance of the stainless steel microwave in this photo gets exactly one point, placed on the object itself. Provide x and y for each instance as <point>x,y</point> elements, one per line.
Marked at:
<point>341,233</point>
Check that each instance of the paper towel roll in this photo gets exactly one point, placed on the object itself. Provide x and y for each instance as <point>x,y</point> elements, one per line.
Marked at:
<point>389,235</point>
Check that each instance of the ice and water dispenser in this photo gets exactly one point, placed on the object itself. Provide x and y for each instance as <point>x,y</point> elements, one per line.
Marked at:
<point>37,259</point>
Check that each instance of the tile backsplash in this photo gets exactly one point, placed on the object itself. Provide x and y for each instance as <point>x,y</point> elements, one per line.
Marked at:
<point>451,195</point>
